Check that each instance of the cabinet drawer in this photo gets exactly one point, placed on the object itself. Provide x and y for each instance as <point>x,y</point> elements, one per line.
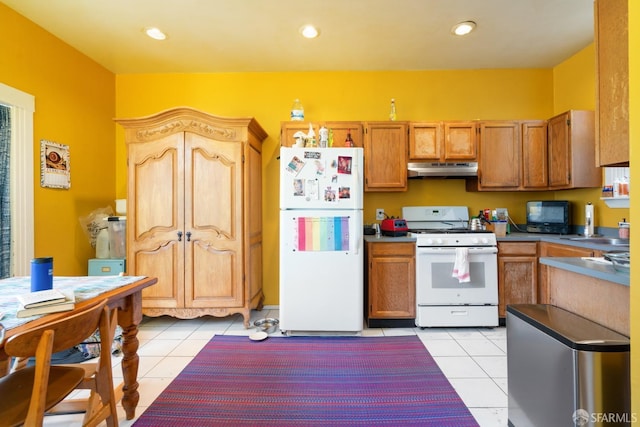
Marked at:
<point>517,248</point>
<point>559,250</point>
<point>393,249</point>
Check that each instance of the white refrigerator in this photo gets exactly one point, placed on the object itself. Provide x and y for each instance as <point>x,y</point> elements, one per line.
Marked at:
<point>321,245</point>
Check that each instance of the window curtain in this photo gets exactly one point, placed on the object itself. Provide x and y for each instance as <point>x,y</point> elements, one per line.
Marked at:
<point>5,193</point>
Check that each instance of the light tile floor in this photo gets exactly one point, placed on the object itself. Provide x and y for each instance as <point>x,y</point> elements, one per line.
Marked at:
<point>473,359</point>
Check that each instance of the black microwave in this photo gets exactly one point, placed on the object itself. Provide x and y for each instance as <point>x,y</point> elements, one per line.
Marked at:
<point>549,216</point>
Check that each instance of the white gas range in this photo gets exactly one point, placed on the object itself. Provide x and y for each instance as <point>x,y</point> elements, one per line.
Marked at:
<point>444,242</point>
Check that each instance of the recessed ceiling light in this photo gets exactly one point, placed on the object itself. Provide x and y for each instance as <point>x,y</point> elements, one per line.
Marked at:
<point>463,28</point>
<point>155,33</point>
<point>309,31</point>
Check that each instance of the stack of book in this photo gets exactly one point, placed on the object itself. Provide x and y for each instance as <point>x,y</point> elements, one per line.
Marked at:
<point>44,302</point>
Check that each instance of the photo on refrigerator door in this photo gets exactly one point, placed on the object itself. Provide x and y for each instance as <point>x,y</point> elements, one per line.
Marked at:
<point>329,194</point>
<point>298,187</point>
<point>344,165</point>
<point>344,192</point>
<point>295,165</point>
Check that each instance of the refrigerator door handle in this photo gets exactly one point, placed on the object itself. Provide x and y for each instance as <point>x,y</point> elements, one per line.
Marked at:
<point>357,245</point>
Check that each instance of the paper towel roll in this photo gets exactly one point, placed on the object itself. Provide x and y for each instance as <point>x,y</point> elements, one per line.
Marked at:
<point>589,220</point>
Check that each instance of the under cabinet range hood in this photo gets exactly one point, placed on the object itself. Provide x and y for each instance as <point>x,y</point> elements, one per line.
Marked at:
<point>442,170</point>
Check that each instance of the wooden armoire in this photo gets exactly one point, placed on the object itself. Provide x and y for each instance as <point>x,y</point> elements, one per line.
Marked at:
<point>194,212</point>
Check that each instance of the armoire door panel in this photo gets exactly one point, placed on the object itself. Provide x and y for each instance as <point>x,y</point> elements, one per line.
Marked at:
<point>215,176</point>
<point>165,263</point>
<point>158,191</point>
<point>215,275</point>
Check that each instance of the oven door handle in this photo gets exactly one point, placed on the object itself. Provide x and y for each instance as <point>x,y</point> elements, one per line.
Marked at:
<point>452,250</point>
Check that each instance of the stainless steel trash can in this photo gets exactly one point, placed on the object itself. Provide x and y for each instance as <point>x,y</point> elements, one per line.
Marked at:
<point>565,370</point>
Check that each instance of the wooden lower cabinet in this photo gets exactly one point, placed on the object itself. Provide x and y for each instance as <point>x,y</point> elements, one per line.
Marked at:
<point>517,274</point>
<point>557,250</point>
<point>390,281</point>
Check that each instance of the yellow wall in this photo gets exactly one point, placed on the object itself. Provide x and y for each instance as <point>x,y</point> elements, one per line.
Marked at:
<point>74,102</point>
<point>634,116</point>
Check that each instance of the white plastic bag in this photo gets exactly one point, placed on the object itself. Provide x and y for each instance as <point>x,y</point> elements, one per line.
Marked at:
<point>94,222</point>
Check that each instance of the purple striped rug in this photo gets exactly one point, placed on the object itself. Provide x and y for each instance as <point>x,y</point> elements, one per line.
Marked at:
<point>310,381</point>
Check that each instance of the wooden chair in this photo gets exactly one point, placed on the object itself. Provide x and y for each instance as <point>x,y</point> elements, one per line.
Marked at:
<point>29,392</point>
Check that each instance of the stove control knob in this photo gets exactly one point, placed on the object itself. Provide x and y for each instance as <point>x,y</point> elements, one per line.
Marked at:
<point>429,242</point>
<point>474,240</point>
<point>439,241</point>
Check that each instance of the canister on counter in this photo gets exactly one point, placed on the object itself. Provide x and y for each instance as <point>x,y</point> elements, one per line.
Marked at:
<point>624,229</point>
<point>41,274</point>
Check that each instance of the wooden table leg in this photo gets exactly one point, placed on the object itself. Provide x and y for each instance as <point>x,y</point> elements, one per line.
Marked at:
<point>129,317</point>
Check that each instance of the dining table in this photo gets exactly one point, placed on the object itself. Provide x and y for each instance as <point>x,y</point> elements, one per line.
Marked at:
<point>123,293</point>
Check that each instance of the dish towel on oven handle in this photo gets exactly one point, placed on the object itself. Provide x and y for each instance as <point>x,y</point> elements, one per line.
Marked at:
<point>461,265</point>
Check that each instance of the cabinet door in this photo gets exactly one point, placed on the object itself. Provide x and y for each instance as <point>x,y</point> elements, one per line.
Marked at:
<point>213,217</point>
<point>517,274</point>
<point>385,156</point>
<point>288,129</point>
<point>612,77</point>
<point>426,141</point>
<point>559,151</point>
<point>156,217</point>
<point>499,155</point>
<point>460,141</point>
<point>534,155</point>
<point>391,280</point>
<point>340,131</point>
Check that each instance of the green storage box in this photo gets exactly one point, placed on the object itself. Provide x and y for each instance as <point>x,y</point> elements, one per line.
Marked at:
<point>106,266</point>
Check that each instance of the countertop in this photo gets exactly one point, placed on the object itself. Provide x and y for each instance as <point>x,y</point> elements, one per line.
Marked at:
<point>599,270</point>
<point>385,239</point>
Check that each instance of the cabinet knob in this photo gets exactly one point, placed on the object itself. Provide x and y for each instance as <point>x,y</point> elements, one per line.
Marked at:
<point>179,236</point>
<point>188,236</point>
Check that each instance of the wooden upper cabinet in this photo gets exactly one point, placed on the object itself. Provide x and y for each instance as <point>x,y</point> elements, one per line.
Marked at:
<point>442,141</point>
<point>499,155</point>
<point>534,155</point>
<point>460,140</point>
<point>612,82</point>
<point>425,141</point>
<point>340,130</point>
<point>571,156</point>
<point>385,156</point>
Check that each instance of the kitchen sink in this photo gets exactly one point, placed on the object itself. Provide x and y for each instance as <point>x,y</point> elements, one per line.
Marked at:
<point>602,240</point>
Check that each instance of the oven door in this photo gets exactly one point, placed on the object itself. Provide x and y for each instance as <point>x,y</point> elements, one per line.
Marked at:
<point>436,286</point>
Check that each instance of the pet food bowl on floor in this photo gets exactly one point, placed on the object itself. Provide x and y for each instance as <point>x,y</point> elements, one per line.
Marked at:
<point>267,324</point>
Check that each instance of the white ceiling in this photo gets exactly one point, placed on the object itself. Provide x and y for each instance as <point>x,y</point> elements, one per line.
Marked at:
<point>262,35</point>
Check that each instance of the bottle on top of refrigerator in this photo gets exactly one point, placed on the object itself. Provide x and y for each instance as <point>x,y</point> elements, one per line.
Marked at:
<point>348,142</point>
<point>392,110</point>
<point>297,111</point>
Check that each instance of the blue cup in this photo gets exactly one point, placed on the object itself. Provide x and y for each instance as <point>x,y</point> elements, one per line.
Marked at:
<point>41,274</point>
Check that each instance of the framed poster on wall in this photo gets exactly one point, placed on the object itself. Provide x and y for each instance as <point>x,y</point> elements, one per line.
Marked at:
<point>54,165</point>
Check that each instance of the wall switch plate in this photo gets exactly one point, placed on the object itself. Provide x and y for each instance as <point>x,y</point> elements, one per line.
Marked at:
<point>379,214</point>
